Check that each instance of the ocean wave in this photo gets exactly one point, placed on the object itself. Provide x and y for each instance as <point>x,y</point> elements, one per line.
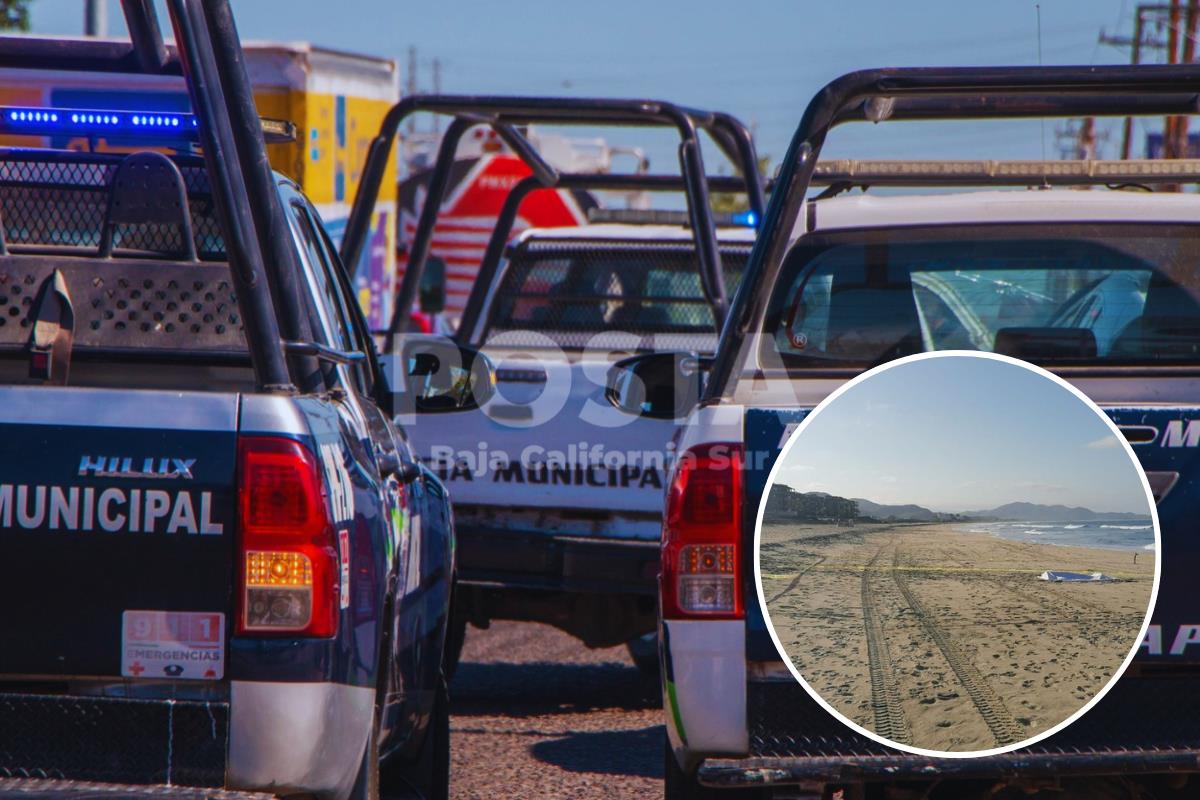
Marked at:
<point>1035,533</point>
<point>1129,527</point>
<point>1150,546</point>
<point>1071,527</point>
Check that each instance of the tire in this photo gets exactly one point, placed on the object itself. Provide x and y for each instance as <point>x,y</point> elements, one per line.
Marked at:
<point>456,636</point>
<point>428,772</point>
<point>644,652</point>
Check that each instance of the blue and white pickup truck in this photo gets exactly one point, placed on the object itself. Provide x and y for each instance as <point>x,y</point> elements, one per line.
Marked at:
<point>1100,287</point>
<point>223,566</point>
<point>558,496</point>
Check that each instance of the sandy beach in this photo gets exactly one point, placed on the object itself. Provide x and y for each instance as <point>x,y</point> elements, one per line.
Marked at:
<point>944,639</point>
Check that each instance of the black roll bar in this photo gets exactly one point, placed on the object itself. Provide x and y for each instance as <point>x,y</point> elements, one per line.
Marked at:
<point>275,240</point>
<point>223,135</point>
<point>929,93</point>
<point>146,35</point>
<point>494,252</point>
<point>505,115</point>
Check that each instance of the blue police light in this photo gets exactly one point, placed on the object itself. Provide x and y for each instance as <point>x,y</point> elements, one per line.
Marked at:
<point>97,122</point>
<point>747,218</point>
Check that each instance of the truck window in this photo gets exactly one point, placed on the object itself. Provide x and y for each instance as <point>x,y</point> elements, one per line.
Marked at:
<point>1083,295</point>
<point>335,314</point>
<point>572,293</point>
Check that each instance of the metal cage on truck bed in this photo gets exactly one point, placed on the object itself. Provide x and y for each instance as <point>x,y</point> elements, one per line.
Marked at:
<point>507,116</point>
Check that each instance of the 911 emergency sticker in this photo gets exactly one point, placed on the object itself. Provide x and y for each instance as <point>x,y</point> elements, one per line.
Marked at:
<point>173,644</point>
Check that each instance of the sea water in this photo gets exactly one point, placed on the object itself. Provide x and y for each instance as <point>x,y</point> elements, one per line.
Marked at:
<point>1119,535</point>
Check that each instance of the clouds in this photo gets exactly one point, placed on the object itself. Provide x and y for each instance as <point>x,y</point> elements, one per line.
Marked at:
<point>1104,443</point>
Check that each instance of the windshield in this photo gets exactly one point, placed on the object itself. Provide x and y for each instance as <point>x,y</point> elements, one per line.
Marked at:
<point>1062,294</point>
<point>571,294</point>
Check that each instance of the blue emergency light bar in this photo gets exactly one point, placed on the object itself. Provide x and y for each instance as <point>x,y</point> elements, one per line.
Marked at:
<point>92,122</point>
<point>96,122</point>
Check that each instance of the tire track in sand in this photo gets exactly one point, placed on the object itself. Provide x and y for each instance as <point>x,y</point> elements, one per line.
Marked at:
<point>890,721</point>
<point>989,704</point>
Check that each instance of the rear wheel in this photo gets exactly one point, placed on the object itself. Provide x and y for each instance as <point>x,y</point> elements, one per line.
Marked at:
<point>428,771</point>
<point>644,652</point>
<point>456,636</point>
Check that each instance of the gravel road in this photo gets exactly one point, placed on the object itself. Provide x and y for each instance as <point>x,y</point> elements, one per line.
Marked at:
<point>535,714</point>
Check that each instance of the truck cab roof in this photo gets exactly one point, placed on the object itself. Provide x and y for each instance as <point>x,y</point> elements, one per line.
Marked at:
<point>1000,206</point>
<point>621,232</point>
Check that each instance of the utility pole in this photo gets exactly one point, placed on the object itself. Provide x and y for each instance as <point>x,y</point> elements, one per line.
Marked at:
<point>1182,147</point>
<point>1139,23</point>
<point>437,89</point>
<point>1087,138</point>
<point>1138,44</point>
<point>1171,123</point>
<point>411,84</point>
<point>95,18</point>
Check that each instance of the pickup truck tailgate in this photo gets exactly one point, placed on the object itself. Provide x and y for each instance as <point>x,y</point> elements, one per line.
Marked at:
<point>110,501</point>
<point>550,440</point>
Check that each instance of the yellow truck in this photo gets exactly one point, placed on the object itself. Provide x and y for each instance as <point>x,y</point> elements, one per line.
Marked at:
<point>336,99</point>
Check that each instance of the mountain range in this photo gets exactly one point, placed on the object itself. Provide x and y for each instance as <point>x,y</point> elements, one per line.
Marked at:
<point>911,511</point>
<point>1035,512</point>
<point>1017,512</point>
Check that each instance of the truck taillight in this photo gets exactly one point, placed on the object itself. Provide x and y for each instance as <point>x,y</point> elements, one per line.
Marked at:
<point>287,555</point>
<point>702,535</point>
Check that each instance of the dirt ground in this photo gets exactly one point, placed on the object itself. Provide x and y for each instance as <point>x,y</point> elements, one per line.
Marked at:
<point>535,714</point>
<point>944,639</point>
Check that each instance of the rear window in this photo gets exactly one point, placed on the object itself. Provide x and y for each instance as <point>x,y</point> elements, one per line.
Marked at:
<point>1068,295</point>
<point>572,293</point>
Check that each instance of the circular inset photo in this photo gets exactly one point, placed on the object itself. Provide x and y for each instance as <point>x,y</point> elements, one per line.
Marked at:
<point>957,553</point>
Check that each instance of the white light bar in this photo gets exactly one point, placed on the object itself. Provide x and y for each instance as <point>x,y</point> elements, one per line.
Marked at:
<point>1004,173</point>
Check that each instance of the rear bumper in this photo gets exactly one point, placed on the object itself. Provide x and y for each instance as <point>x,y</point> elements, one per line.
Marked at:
<point>1144,725</point>
<point>272,737</point>
<point>297,737</point>
<point>498,558</point>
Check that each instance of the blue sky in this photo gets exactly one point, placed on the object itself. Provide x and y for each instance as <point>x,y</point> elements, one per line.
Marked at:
<point>963,433</point>
<point>760,60</point>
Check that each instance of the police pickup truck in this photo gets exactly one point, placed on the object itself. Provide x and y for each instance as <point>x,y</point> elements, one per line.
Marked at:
<point>222,565</point>
<point>557,496</point>
<point>1099,287</point>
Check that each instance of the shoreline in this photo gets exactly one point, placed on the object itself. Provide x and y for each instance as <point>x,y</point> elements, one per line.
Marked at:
<point>1136,548</point>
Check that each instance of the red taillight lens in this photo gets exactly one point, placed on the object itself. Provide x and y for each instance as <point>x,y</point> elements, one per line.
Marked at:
<point>702,536</point>
<point>287,558</point>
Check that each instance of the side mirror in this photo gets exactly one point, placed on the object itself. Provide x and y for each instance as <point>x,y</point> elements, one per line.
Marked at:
<point>657,385</point>
<point>441,375</point>
<point>432,289</point>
